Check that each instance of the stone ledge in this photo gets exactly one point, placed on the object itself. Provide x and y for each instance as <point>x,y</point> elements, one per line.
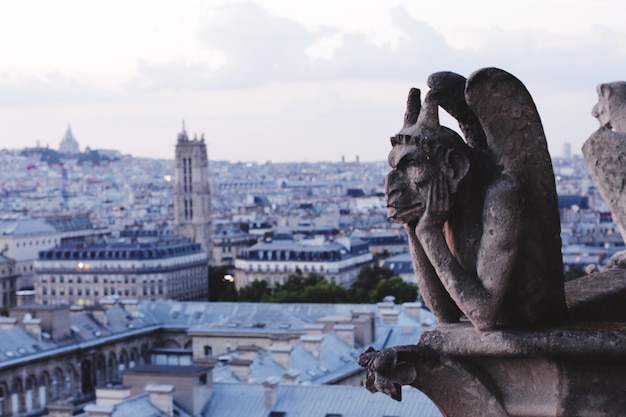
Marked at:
<point>599,297</point>
<point>599,340</point>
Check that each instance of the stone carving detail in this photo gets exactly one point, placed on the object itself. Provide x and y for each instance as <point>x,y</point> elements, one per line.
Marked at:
<point>456,387</point>
<point>481,213</point>
<point>605,155</point>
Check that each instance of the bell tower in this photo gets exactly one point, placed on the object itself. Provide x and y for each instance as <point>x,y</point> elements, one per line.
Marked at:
<point>192,193</point>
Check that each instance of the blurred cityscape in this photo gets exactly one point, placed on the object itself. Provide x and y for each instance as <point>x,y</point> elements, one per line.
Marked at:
<point>104,288</point>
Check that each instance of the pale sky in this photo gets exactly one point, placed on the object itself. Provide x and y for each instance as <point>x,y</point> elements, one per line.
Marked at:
<point>286,80</point>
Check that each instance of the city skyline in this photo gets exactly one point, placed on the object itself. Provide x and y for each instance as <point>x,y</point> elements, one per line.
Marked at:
<point>272,80</point>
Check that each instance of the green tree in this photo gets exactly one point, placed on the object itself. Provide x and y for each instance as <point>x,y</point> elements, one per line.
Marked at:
<point>324,292</point>
<point>293,288</point>
<point>362,290</point>
<point>396,287</point>
<point>217,283</point>
<point>255,292</point>
<point>312,288</point>
<point>229,293</point>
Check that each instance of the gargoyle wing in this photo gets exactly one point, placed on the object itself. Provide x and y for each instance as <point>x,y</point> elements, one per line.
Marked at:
<point>515,137</point>
<point>448,89</point>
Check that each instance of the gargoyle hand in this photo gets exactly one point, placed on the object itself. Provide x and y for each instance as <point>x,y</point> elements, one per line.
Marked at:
<point>438,206</point>
<point>384,373</point>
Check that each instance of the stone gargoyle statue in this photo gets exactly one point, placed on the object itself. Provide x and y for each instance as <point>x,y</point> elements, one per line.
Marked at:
<point>605,155</point>
<point>482,218</point>
<point>481,213</point>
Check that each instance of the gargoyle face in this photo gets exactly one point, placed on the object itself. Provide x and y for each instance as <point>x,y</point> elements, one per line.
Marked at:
<point>407,185</point>
<point>602,109</point>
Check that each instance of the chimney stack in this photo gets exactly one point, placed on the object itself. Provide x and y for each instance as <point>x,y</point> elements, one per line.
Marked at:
<point>345,333</point>
<point>60,409</point>
<point>130,305</point>
<point>248,352</point>
<point>162,397</point>
<point>291,376</point>
<point>281,355</point>
<point>413,310</point>
<point>240,368</point>
<point>390,316</point>
<point>94,410</point>
<point>33,326</point>
<point>24,297</point>
<point>385,306</point>
<point>271,391</point>
<point>314,329</point>
<point>313,344</point>
<point>7,323</point>
<point>111,395</point>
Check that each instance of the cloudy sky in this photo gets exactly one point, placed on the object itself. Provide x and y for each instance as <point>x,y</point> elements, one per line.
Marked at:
<point>285,80</point>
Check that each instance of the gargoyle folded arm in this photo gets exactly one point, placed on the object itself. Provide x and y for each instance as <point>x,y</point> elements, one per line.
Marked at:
<point>479,295</point>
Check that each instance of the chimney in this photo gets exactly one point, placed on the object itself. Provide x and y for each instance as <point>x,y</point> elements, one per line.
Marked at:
<point>108,302</point>
<point>100,315</point>
<point>33,326</point>
<point>248,352</point>
<point>60,409</point>
<point>313,344</point>
<point>291,376</point>
<point>413,310</point>
<point>280,339</point>
<point>384,306</point>
<point>314,329</point>
<point>365,322</point>
<point>76,310</point>
<point>24,297</point>
<point>240,368</point>
<point>281,355</point>
<point>345,333</point>
<point>7,323</point>
<point>130,306</point>
<point>271,391</point>
<point>162,397</point>
<point>110,396</point>
<point>94,410</point>
<point>390,316</point>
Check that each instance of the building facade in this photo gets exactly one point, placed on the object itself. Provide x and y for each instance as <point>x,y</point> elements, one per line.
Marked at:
<point>8,281</point>
<point>192,193</point>
<point>228,241</point>
<point>173,269</point>
<point>339,261</point>
<point>21,239</point>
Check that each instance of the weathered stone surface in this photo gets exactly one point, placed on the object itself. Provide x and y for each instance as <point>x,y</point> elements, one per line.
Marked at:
<point>605,155</point>
<point>600,296</point>
<point>568,371</point>
<point>482,216</point>
<point>483,228</point>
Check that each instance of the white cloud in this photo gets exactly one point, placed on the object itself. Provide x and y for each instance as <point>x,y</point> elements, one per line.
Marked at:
<point>272,81</point>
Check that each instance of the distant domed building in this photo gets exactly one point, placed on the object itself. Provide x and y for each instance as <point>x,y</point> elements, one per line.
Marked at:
<point>69,145</point>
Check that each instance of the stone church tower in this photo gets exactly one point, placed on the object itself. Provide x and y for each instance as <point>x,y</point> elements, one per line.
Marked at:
<point>192,194</point>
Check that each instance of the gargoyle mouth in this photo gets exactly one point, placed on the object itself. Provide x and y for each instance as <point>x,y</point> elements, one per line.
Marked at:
<point>400,213</point>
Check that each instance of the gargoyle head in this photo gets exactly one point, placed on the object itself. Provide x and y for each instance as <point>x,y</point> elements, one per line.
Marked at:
<point>420,151</point>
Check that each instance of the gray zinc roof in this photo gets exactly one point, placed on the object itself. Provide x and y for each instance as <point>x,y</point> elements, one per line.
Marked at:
<point>239,400</point>
<point>25,226</point>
